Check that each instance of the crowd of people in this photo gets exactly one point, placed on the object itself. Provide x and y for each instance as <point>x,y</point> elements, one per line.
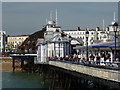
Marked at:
<point>101,60</point>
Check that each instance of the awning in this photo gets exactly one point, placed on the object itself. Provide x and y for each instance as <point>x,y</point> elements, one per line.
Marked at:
<point>105,46</point>
<point>101,45</point>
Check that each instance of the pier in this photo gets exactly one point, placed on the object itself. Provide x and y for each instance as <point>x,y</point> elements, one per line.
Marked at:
<point>19,60</point>
<point>68,74</point>
<point>96,72</point>
<point>112,75</point>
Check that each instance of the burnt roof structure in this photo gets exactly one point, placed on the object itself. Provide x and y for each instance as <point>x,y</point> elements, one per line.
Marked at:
<point>30,43</point>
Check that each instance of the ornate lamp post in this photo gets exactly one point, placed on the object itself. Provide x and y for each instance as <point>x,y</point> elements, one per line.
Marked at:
<point>69,45</point>
<point>115,26</point>
<point>59,46</point>
<point>87,35</point>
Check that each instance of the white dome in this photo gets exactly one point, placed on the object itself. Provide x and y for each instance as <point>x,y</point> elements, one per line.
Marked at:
<point>113,22</point>
<point>51,22</point>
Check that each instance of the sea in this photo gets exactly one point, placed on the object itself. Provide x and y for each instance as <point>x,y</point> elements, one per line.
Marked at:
<point>23,80</point>
<point>41,81</point>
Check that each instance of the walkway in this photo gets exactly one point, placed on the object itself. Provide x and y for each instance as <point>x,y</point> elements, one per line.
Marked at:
<point>96,72</point>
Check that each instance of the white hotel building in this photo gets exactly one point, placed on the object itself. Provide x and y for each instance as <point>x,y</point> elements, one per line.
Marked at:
<point>95,36</point>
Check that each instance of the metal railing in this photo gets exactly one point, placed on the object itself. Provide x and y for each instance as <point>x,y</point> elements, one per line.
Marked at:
<point>96,64</point>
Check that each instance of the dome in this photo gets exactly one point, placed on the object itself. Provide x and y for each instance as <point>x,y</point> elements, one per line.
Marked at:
<point>51,22</point>
<point>113,22</point>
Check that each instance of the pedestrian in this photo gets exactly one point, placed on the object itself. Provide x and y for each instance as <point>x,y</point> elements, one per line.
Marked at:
<point>92,59</point>
<point>98,60</point>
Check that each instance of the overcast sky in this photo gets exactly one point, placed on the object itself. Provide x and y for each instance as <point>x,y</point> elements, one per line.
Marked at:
<point>27,17</point>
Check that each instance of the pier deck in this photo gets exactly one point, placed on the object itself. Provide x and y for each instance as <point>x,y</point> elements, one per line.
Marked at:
<point>96,72</point>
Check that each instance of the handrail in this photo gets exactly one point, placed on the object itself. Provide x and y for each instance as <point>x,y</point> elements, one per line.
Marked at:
<point>96,64</point>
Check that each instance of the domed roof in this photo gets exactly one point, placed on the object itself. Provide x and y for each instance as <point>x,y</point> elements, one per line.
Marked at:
<point>113,22</point>
<point>51,22</point>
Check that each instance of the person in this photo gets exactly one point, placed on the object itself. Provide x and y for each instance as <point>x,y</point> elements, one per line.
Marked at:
<point>102,60</point>
<point>98,60</point>
<point>92,58</point>
<point>79,57</point>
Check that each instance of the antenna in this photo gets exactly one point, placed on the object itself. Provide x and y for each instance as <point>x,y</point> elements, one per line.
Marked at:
<point>114,16</point>
<point>103,24</point>
<point>51,15</point>
<point>56,18</point>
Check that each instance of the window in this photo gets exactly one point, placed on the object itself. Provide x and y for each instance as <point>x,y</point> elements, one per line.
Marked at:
<point>92,38</point>
<point>92,33</point>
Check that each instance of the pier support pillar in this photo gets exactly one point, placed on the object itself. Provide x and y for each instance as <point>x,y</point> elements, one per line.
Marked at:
<point>13,64</point>
<point>22,62</point>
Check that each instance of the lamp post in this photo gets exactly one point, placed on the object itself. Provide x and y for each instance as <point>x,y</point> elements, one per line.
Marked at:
<point>69,45</point>
<point>87,35</point>
<point>115,26</point>
<point>59,45</point>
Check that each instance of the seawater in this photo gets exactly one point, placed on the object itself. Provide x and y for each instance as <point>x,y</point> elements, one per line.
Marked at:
<point>0,80</point>
<point>48,80</point>
<point>23,80</point>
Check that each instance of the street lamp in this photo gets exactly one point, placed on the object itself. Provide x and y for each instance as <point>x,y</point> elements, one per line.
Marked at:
<point>69,45</point>
<point>59,45</point>
<point>115,26</point>
<point>87,35</point>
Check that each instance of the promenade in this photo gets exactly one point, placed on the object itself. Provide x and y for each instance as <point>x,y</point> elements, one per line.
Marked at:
<point>96,72</point>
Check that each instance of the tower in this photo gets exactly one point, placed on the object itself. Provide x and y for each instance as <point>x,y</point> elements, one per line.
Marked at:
<point>52,27</point>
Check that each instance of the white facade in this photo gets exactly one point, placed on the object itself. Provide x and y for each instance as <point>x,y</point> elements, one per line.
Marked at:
<point>94,35</point>
<point>2,40</point>
<point>42,54</point>
<point>104,43</point>
<point>54,44</point>
<point>14,41</point>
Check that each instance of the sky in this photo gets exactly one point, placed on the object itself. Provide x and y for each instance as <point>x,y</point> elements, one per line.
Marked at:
<point>20,18</point>
<point>60,0</point>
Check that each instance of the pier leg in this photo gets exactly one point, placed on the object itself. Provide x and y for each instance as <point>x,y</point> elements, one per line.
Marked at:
<point>13,64</point>
<point>22,62</point>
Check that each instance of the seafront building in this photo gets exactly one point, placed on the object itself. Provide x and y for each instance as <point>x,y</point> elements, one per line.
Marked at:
<point>104,47</point>
<point>51,41</point>
<point>95,35</point>
<point>13,42</point>
<point>54,44</point>
<point>2,41</point>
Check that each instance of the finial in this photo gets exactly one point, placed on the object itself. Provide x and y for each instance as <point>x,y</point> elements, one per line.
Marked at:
<point>103,24</point>
<point>56,18</point>
<point>51,15</point>
<point>114,16</point>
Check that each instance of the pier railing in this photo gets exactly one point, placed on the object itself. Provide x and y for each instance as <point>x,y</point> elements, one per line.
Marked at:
<point>96,64</point>
<point>105,74</point>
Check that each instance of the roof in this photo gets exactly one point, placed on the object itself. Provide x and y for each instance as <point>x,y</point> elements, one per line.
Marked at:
<point>31,41</point>
<point>17,35</point>
<point>82,30</point>
<point>100,45</point>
